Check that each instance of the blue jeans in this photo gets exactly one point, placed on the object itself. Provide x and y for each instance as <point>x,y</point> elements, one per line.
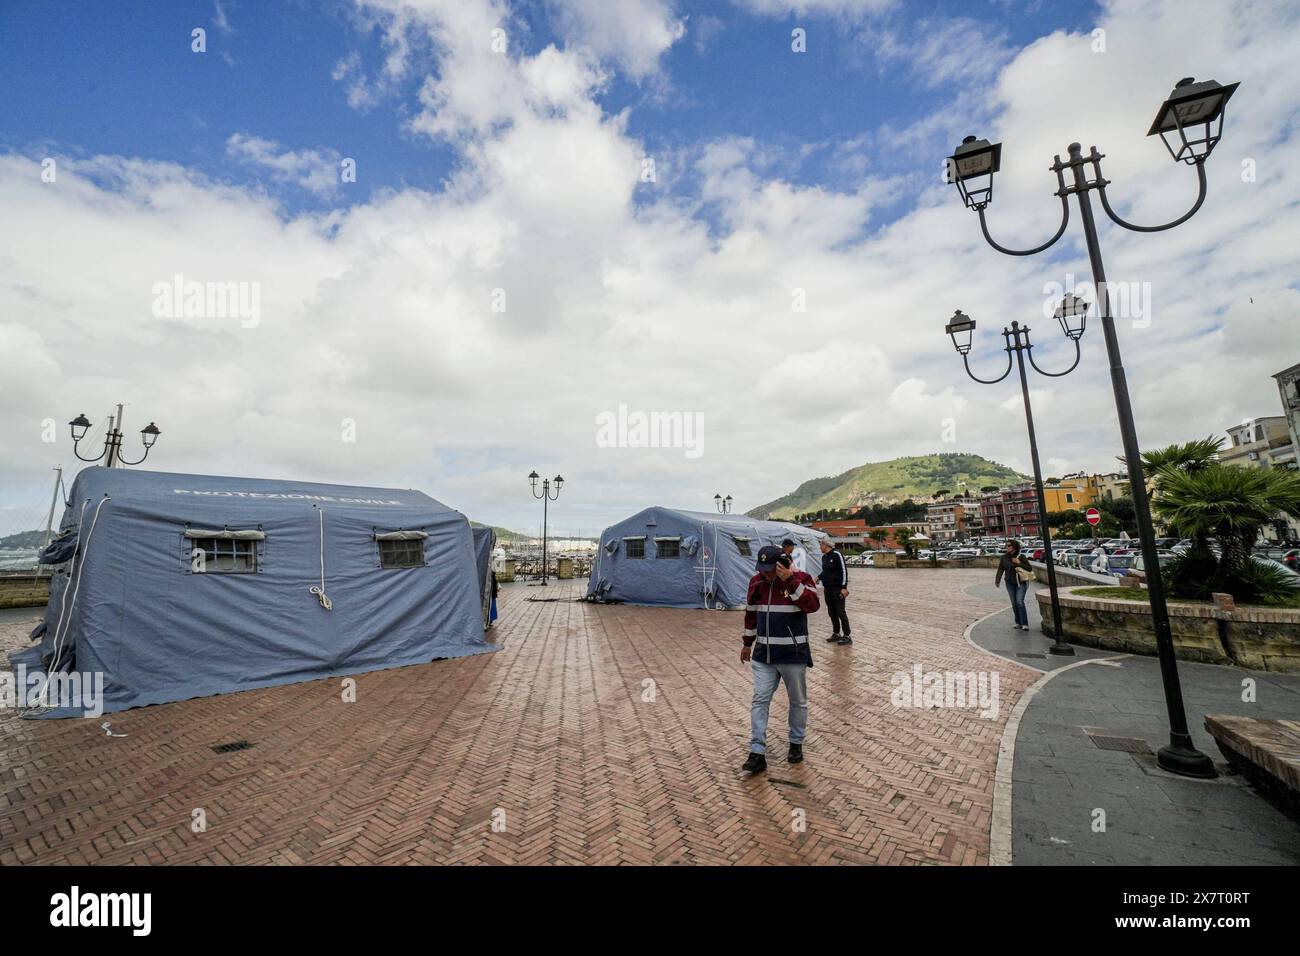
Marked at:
<point>766,677</point>
<point>1017,590</point>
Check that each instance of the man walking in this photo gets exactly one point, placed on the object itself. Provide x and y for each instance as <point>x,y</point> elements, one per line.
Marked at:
<point>835,579</point>
<point>776,647</point>
<point>796,554</point>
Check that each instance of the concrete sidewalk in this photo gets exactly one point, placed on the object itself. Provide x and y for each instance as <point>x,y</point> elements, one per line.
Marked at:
<point>1074,802</point>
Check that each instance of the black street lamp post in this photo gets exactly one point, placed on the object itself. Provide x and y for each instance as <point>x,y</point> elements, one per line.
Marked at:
<point>111,453</point>
<point>1071,313</point>
<point>1190,122</point>
<point>722,504</point>
<point>547,497</point>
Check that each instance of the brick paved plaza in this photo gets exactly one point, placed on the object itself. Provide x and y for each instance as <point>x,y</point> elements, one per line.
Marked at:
<point>552,738</point>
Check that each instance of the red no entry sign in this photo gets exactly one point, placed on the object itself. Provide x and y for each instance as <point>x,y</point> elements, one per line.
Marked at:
<point>1093,516</point>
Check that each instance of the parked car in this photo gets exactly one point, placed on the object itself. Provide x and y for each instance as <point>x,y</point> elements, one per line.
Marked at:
<point>1119,565</point>
<point>1139,561</point>
<point>1295,578</point>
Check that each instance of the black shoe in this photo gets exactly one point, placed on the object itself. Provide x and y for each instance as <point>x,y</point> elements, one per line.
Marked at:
<point>756,763</point>
<point>844,640</point>
<point>796,753</point>
<point>832,639</point>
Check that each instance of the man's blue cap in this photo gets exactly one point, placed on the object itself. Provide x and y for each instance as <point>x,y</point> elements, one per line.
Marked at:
<point>767,556</point>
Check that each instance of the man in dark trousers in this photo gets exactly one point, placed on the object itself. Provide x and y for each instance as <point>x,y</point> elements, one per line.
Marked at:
<point>779,601</point>
<point>835,579</point>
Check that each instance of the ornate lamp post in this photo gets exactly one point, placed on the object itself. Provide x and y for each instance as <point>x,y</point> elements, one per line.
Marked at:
<point>112,450</point>
<point>1190,122</point>
<point>1072,314</point>
<point>722,504</point>
<point>545,494</point>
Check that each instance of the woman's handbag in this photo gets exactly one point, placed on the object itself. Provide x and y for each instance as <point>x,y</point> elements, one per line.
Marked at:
<point>1024,575</point>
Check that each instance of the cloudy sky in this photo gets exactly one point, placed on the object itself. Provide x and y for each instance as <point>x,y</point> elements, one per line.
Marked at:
<point>473,229</point>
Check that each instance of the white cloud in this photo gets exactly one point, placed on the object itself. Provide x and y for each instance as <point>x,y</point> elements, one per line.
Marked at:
<point>316,170</point>
<point>633,34</point>
<point>680,300</point>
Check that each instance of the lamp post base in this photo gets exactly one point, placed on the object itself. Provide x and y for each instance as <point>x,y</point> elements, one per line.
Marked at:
<point>1187,761</point>
<point>1061,649</point>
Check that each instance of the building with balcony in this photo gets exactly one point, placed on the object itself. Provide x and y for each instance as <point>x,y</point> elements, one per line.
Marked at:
<point>1260,443</point>
<point>992,514</point>
<point>1020,511</point>
<point>1288,389</point>
<point>1112,486</point>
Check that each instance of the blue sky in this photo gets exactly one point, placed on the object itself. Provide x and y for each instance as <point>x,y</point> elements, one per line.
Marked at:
<point>499,276</point>
<point>129,84</point>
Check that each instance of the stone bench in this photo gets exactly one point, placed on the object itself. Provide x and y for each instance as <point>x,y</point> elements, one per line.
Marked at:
<point>1266,752</point>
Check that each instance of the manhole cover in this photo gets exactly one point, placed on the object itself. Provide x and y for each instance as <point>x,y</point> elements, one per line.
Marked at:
<point>231,747</point>
<point>1128,745</point>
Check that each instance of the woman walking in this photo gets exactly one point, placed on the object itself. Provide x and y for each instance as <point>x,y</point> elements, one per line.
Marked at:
<point>1015,566</point>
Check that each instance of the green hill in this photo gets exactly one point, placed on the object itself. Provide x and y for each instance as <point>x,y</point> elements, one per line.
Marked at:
<point>23,539</point>
<point>886,482</point>
<point>503,534</point>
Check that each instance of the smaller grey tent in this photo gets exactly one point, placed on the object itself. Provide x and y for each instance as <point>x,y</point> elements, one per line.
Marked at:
<point>485,540</point>
<point>666,557</point>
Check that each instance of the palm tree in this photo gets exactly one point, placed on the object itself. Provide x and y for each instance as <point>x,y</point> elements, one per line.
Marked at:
<point>1227,502</point>
<point>1188,457</point>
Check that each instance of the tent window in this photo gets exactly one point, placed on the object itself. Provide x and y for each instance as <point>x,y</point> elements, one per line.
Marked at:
<point>223,555</point>
<point>635,547</point>
<point>742,545</point>
<point>668,548</point>
<point>401,552</point>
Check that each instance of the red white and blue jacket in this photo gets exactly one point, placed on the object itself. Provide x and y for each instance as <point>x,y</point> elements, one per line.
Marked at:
<point>776,618</point>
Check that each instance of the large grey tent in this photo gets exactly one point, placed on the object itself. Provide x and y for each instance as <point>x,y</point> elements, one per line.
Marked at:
<point>178,586</point>
<point>671,558</point>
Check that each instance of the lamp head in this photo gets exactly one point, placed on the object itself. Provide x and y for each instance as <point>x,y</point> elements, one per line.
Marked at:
<point>79,426</point>
<point>971,168</point>
<point>1190,121</point>
<point>1072,313</point>
<point>959,328</point>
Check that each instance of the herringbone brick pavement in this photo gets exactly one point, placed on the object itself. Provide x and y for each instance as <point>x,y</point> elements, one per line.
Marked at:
<point>599,734</point>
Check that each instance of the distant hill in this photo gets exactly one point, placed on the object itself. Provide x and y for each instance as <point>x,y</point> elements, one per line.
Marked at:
<point>885,482</point>
<point>23,539</point>
<point>503,534</point>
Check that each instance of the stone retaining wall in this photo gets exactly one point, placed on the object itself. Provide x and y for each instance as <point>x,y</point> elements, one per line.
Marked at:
<point>1254,637</point>
<point>24,590</point>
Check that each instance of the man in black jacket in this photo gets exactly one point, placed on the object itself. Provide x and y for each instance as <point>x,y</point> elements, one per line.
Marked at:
<point>835,579</point>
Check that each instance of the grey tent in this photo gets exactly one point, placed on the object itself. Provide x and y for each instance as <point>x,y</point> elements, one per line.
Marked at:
<point>178,586</point>
<point>485,540</point>
<point>667,557</point>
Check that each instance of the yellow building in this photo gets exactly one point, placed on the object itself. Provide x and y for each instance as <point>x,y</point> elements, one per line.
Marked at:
<point>1072,493</point>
